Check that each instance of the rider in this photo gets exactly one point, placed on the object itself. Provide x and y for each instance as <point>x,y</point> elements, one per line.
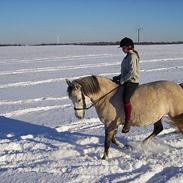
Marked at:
<point>129,77</point>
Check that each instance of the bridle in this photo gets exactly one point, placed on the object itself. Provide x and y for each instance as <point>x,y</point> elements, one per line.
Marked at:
<point>95,102</point>
<point>84,104</point>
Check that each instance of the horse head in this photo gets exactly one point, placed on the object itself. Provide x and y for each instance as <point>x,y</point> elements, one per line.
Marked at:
<point>76,95</point>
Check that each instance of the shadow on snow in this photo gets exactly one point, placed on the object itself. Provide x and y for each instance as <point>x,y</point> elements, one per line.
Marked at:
<point>14,130</point>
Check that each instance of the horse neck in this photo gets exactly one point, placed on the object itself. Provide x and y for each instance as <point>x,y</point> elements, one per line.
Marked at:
<point>106,86</point>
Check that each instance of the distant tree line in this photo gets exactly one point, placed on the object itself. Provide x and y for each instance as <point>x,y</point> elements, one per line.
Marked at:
<point>93,43</point>
<point>12,45</point>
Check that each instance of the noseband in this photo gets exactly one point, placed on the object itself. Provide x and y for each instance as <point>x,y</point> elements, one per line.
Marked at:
<point>84,104</point>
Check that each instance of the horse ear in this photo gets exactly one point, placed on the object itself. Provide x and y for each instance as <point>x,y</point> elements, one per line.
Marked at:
<point>77,86</point>
<point>69,83</point>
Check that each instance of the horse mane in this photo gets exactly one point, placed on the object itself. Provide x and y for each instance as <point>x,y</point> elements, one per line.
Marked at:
<point>89,84</point>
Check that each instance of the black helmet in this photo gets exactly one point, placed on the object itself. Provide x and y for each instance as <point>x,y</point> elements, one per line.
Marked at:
<point>126,42</point>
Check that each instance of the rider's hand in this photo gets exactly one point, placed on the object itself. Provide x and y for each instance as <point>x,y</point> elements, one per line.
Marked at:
<point>115,78</point>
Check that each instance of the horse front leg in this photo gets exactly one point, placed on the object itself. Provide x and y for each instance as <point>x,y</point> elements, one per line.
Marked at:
<point>116,142</point>
<point>108,139</point>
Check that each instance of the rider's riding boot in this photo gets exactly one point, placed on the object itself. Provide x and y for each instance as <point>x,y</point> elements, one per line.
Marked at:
<point>128,109</point>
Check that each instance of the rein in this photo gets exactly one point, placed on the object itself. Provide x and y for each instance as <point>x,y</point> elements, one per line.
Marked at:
<point>96,101</point>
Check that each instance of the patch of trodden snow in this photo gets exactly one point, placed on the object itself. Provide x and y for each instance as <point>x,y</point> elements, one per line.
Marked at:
<point>42,141</point>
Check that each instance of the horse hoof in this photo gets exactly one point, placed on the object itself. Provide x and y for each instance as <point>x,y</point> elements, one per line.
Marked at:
<point>104,158</point>
<point>125,130</point>
<point>145,142</point>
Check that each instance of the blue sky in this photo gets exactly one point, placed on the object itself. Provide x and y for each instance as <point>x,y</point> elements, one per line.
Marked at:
<point>38,21</point>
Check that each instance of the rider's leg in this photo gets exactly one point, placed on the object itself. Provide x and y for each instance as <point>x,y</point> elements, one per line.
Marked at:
<point>128,110</point>
<point>129,89</point>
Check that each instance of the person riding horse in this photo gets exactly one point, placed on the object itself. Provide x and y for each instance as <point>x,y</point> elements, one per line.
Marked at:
<point>129,77</point>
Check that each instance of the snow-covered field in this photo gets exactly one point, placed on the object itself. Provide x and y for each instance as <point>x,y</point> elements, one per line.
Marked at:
<point>42,141</point>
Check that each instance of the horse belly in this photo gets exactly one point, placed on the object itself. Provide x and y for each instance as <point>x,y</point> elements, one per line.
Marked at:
<point>145,119</point>
<point>151,107</point>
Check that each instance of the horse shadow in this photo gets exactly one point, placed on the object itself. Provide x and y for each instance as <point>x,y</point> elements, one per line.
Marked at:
<point>14,129</point>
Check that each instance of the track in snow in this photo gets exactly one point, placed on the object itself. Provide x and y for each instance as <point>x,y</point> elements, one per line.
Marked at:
<point>40,138</point>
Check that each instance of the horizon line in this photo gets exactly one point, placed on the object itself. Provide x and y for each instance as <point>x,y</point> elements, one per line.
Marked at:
<point>90,43</point>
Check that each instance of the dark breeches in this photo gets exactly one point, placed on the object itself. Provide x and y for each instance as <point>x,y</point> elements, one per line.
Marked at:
<point>129,89</point>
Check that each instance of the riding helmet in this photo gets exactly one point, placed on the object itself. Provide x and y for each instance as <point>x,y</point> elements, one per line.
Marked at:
<point>126,42</point>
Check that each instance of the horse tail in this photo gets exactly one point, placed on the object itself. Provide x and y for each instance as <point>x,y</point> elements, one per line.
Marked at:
<point>178,122</point>
<point>181,84</point>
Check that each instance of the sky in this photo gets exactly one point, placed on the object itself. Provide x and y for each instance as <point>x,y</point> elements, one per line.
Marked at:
<point>50,21</point>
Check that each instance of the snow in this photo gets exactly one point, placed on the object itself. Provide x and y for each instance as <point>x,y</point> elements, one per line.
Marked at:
<point>42,141</point>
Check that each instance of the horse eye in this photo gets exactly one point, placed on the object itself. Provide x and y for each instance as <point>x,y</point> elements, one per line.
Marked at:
<point>79,100</point>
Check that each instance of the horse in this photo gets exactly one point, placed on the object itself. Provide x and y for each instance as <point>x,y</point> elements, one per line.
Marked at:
<point>150,102</point>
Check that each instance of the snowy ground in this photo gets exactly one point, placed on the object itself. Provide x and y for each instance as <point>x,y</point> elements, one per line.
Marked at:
<point>42,141</point>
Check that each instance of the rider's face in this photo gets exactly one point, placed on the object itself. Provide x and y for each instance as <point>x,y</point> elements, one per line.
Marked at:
<point>125,49</point>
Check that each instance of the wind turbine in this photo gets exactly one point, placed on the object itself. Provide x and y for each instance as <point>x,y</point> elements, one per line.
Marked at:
<point>58,39</point>
<point>138,34</point>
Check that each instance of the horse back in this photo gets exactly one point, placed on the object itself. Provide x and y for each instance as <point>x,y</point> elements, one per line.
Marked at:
<point>153,100</point>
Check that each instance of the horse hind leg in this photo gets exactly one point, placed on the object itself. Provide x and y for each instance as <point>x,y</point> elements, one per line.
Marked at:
<point>158,127</point>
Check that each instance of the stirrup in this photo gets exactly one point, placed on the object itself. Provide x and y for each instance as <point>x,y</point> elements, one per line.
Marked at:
<point>126,128</point>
